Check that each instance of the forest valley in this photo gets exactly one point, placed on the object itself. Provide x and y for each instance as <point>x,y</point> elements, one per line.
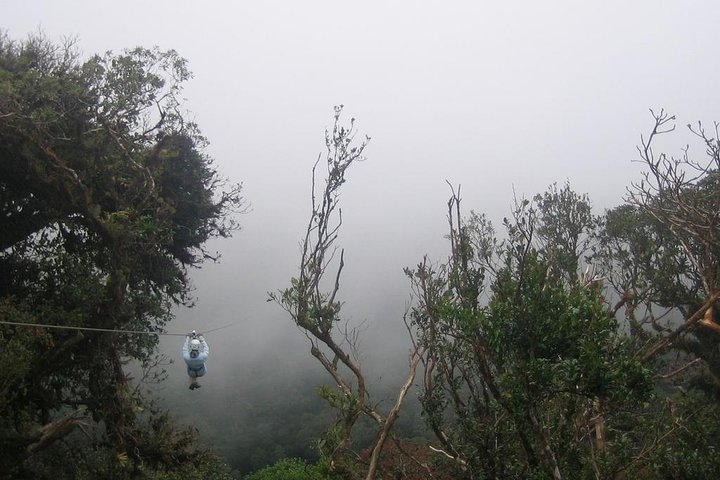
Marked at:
<point>564,344</point>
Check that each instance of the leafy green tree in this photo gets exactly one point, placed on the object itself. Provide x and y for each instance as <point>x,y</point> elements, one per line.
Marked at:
<point>519,338</point>
<point>566,227</point>
<point>659,253</point>
<point>534,369</point>
<point>523,366</point>
<point>106,200</point>
<point>680,197</point>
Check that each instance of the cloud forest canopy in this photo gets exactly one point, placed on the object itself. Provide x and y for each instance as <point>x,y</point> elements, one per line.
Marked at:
<point>531,364</point>
<point>106,199</point>
<point>574,346</point>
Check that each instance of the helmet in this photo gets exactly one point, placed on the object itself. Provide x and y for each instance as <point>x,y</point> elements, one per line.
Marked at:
<point>194,344</point>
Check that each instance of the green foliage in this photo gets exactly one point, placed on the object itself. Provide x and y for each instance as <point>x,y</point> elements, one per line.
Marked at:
<point>291,469</point>
<point>540,348</point>
<point>515,378</point>
<point>690,448</point>
<point>163,452</point>
<point>566,227</point>
<point>645,264</point>
<point>558,339</point>
<point>532,371</point>
<point>106,199</point>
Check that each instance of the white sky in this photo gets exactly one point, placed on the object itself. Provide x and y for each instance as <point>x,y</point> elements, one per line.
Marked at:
<point>496,96</point>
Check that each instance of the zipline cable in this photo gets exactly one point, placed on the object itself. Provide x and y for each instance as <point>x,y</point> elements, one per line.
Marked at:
<point>95,329</point>
<point>218,328</point>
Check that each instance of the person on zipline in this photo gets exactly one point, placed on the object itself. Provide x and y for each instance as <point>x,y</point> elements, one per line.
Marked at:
<point>195,353</point>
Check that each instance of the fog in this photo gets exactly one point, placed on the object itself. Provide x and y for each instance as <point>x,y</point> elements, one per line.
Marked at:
<point>504,98</point>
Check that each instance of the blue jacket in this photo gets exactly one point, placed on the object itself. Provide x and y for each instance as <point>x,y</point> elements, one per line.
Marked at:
<point>196,366</point>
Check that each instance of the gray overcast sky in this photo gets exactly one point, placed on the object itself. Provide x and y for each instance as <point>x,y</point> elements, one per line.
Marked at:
<point>497,96</point>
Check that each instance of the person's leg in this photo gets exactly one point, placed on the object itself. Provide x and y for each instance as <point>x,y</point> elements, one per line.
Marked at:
<point>193,380</point>
<point>196,374</point>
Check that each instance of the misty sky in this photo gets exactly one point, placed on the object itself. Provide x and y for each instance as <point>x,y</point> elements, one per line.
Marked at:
<point>499,97</point>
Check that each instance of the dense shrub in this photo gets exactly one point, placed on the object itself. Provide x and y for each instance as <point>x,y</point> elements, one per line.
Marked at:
<point>290,469</point>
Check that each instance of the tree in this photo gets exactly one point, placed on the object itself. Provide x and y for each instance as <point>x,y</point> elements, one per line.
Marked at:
<point>518,339</point>
<point>106,200</point>
<point>316,311</point>
<point>660,251</point>
<point>566,227</point>
<point>682,196</point>
<point>660,257</point>
<point>522,360</point>
<point>545,351</point>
